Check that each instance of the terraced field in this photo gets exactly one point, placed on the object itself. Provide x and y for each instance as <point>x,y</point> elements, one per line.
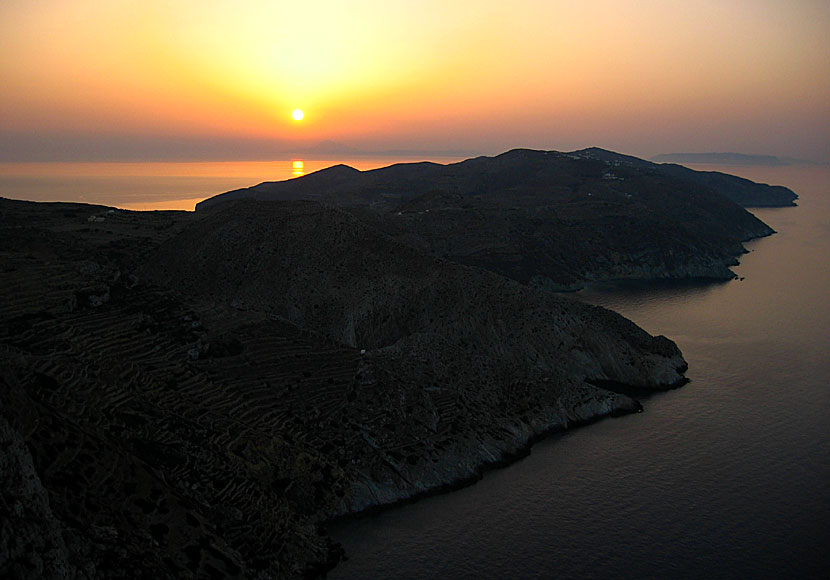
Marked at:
<point>159,436</point>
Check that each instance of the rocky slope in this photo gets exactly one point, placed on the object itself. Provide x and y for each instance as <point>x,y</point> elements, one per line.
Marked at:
<point>426,325</point>
<point>192,395</point>
<point>549,219</point>
<point>742,191</point>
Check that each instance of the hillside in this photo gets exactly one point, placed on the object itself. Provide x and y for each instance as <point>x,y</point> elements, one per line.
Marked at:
<point>550,219</point>
<point>519,173</point>
<point>193,395</point>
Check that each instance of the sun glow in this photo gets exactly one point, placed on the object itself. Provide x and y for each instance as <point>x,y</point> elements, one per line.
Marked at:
<point>95,78</point>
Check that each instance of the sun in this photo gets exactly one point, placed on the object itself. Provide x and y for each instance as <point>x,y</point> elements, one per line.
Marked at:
<point>297,114</point>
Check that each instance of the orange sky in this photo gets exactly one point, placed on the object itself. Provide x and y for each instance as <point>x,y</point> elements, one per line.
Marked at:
<point>188,79</point>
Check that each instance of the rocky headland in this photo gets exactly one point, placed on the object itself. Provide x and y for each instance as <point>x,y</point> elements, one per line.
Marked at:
<point>195,394</point>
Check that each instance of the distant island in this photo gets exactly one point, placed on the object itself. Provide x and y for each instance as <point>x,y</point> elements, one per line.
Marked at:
<point>726,159</point>
<point>196,394</point>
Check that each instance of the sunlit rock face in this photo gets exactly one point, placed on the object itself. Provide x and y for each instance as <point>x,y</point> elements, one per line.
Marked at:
<point>194,393</point>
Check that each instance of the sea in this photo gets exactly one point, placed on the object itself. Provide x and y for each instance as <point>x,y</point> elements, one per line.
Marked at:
<point>727,477</point>
<point>161,185</point>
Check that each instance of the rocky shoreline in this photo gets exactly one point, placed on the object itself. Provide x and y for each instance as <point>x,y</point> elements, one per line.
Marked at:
<point>470,458</point>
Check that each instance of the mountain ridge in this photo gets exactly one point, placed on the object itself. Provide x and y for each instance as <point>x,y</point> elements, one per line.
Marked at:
<point>442,173</point>
<point>556,220</point>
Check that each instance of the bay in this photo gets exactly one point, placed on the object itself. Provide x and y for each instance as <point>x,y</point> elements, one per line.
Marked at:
<point>726,477</point>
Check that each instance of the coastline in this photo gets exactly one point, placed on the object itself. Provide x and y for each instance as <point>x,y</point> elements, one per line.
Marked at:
<point>477,452</point>
<point>481,458</point>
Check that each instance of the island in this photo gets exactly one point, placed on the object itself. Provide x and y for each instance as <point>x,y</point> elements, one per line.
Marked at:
<point>730,158</point>
<point>548,219</point>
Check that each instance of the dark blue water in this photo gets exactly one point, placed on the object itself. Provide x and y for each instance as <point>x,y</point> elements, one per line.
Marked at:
<point>728,477</point>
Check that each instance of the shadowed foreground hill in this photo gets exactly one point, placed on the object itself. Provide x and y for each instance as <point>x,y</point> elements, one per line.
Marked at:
<point>191,395</point>
<point>322,269</point>
<point>544,218</point>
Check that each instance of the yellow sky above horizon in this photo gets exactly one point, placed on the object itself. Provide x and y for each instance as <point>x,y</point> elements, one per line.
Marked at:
<point>642,76</point>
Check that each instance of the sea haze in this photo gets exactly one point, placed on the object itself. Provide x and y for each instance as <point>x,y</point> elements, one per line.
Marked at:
<point>723,478</point>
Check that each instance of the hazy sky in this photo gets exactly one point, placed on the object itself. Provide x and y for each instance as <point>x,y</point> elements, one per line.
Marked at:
<point>175,79</point>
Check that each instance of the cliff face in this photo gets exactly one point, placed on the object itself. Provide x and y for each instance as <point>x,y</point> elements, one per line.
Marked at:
<point>31,544</point>
<point>193,394</point>
<point>549,219</point>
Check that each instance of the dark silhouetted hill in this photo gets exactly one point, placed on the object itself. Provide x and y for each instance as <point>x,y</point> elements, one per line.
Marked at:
<point>550,219</point>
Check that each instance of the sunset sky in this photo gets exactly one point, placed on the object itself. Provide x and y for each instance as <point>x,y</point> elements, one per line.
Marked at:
<point>208,79</point>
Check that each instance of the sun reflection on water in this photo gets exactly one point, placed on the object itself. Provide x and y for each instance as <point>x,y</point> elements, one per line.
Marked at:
<point>297,168</point>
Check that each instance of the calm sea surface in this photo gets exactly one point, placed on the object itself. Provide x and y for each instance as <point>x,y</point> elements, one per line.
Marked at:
<point>148,186</point>
<point>728,477</point>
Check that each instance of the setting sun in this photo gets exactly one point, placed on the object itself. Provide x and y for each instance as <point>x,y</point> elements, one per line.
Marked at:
<point>165,79</point>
